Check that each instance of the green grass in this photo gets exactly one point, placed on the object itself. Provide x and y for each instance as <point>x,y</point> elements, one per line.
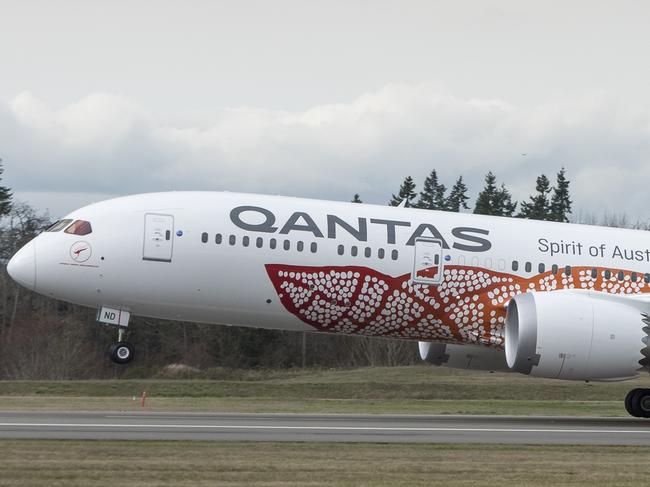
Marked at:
<point>180,463</point>
<point>406,390</point>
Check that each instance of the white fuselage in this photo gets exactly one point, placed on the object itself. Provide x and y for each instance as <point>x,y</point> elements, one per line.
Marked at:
<point>301,264</point>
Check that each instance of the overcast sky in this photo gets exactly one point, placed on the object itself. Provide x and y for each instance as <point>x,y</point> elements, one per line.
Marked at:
<point>323,99</point>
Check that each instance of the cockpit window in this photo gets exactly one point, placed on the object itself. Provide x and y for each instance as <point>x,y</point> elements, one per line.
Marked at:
<point>58,226</point>
<point>79,227</point>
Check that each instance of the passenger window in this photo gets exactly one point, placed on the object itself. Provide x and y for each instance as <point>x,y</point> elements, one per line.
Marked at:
<point>314,247</point>
<point>501,264</point>
<point>341,250</point>
<point>259,243</point>
<point>286,245</point>
<point>515,265</point>
<point>245,241</point>
<point>204,237</point>
<point>646,278</point>
<point>300,246</point>
<point>541,268</point>
<point>634,277</point>
<point>555,269</point>
<point>529,267</point>
<point>367,252</point>
<point>80,227</point>
<point>488,263</point>
<point>621,276</point>
<point>567,270</point>
<point>273,243</point>
<point>381,253</point>
<point>58,226</point>
<point>354,250</point>
<point>232,240</point>
<point>608,274</point>
<point>394,254</point>
<point>594,273</point>
<point>218,239</point>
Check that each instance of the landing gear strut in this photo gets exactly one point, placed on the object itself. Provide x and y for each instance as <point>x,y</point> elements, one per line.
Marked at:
<point>637,403</point>
<point>120,352</point>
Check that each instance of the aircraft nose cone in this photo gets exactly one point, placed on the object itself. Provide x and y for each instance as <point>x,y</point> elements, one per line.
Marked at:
<point>22,266</point>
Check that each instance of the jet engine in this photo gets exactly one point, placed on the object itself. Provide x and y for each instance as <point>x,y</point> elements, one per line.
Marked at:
<point>470,357</point>
<point>577,335</point>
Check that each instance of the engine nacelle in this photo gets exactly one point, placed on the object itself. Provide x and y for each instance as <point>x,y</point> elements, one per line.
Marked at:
<point>575,335</point>
<point>470,357</point>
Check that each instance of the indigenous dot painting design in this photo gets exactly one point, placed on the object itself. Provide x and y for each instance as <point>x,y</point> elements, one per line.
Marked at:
<point>468,306</point>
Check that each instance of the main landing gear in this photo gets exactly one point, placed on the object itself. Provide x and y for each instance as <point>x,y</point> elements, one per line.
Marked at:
<point>637,403</point>
<point>120,352</point>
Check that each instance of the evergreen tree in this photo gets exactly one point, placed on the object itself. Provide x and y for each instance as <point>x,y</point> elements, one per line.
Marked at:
<point>432,196</point>
<point>539,206</point>
<point>560,201</point>
<point>406,192</point>
<point>503,204</point>
<point>485,199</point>
<point>457,198</point>
<point>5,195</point>
<point>356,198</point>
<point>494,200</point>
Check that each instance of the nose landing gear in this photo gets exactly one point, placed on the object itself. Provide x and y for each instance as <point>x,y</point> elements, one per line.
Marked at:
<point>637,403</point>
<point>120,352</point>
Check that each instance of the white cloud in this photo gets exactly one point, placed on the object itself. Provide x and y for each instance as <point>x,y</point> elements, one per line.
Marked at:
<point>109,144</point>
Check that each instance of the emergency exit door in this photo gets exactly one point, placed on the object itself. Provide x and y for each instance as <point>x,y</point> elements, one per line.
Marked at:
<point>428,265</point>
<point>158,237</point>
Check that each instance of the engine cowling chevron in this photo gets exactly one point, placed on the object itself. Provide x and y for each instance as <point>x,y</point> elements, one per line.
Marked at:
<point>576,335</point>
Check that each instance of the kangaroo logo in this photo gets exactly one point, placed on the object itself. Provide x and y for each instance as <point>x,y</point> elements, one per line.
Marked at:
<point>80,251</point>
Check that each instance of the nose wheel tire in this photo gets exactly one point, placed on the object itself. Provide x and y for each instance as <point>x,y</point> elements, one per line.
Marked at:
<point>121,352</point>
<point>637,403</point>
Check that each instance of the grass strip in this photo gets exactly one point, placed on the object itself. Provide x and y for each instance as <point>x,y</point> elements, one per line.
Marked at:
<point>408,390</point>
<point>181,463</point>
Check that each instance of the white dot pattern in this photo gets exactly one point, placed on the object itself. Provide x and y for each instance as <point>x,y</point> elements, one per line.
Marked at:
<point>468,306</point>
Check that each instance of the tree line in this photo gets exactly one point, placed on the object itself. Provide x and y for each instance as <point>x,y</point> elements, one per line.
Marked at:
<point>550,203</point>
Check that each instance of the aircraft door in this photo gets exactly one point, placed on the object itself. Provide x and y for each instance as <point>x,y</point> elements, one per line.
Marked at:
<point>158,237</point>
<point>428,265</point>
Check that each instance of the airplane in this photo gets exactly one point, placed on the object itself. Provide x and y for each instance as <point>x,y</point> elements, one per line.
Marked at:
<point>546,299</point>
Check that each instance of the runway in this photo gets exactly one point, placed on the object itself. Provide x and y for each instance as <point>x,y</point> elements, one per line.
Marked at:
<point>324,428</point>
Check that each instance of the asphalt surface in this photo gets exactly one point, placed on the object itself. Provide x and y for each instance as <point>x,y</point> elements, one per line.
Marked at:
<point>331,428</point>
